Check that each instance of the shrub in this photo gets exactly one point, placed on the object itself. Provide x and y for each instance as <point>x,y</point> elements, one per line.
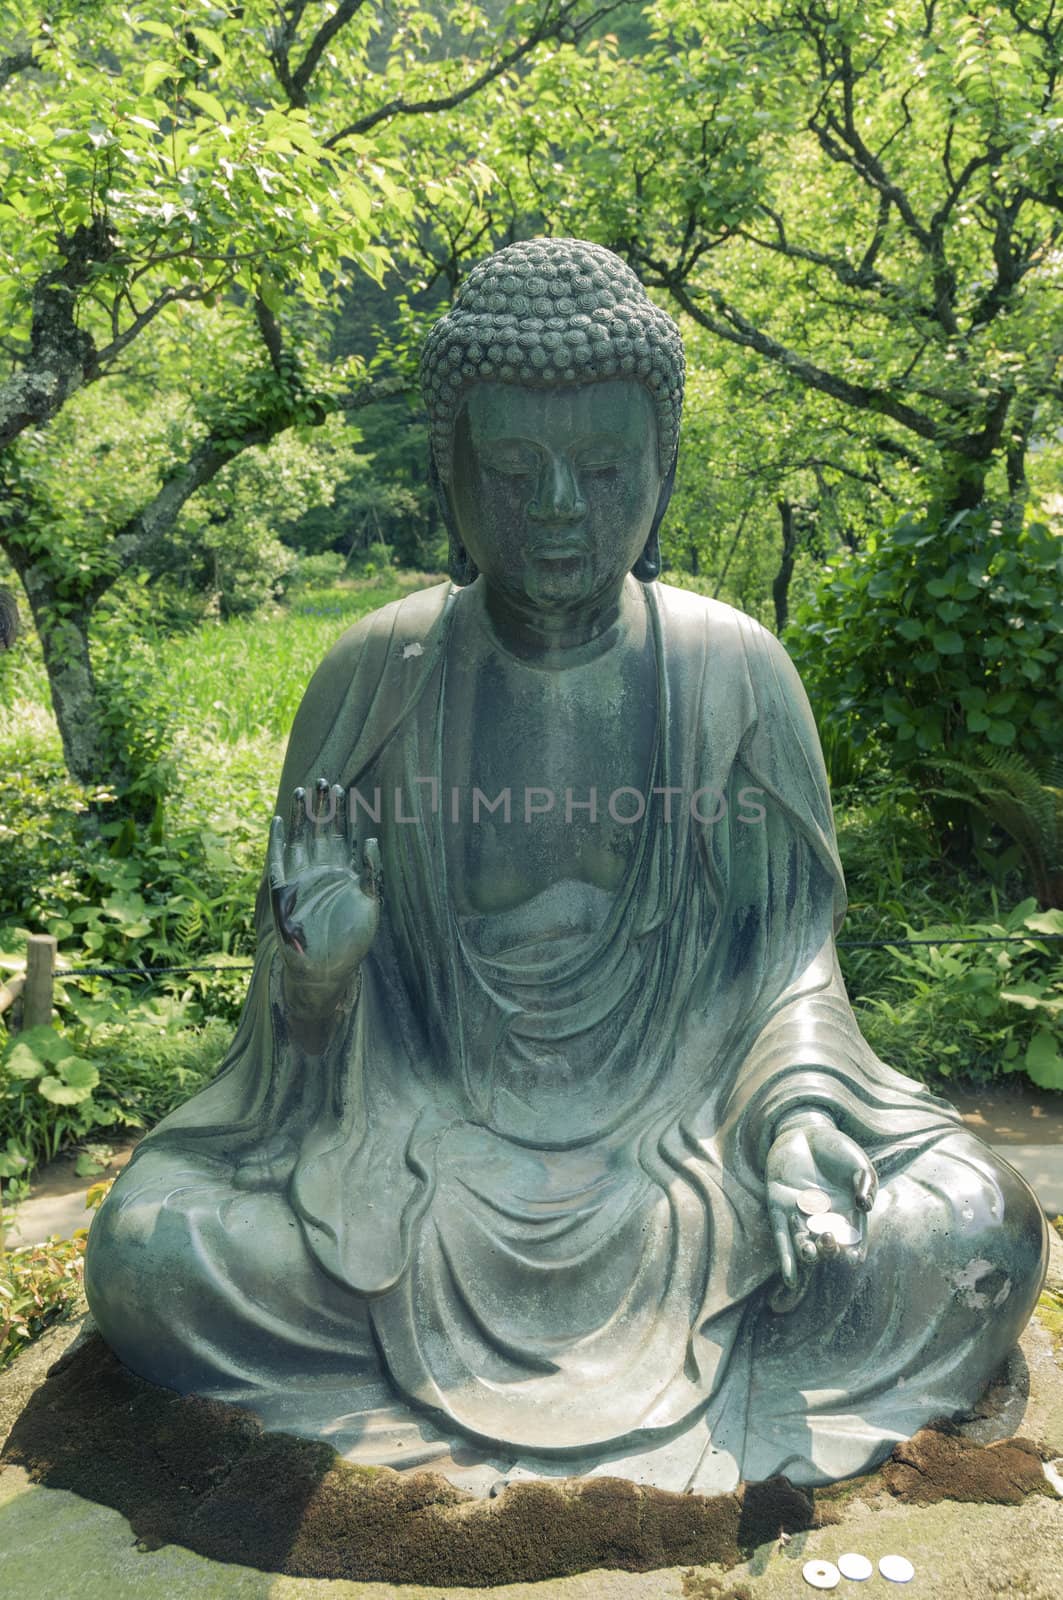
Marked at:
<point>110,1062</point>
<point>316,571</point>
<point>938,639</point>
<point>36,1284</point>
<point>1023,803</point>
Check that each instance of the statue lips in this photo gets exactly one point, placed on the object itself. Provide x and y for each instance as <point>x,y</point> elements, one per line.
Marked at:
<point>563,549</point>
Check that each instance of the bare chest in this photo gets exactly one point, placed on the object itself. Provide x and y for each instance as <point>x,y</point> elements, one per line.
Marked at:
<point>543,770</point>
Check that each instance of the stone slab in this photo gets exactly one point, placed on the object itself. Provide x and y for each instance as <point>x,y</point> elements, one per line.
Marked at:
<point>1042,1167</point>
<point>38,1219</point>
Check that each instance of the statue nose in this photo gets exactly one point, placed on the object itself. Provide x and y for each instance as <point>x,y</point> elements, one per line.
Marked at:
<point>557,494</point>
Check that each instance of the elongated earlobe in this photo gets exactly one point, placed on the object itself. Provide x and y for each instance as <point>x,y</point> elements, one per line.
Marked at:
<point>460,565</point>
<point>648,565</point>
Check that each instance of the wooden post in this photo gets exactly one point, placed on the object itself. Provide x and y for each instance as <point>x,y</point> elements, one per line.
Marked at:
<point>37,994</point>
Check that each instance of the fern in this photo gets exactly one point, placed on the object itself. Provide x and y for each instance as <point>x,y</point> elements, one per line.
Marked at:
<point>189,925</point>
<point>1024,802</point>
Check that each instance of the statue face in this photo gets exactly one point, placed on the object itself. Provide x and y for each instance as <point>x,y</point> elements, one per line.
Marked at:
<point>554,490</point>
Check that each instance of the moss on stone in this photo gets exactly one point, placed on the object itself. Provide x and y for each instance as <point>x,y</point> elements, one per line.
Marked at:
<point>1050,1315</point>
<point>938,1464</point>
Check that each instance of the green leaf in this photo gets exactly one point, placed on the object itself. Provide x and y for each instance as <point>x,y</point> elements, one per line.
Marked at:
<point>212,40</point>
<point>46,1044</point>
<point>79,1073</point>
<point>22,1063</point>
<point>948,642</point>
<point>1001,731</point>
<point>155,73</point>
<point>206,102</point>
<point>271,292</point>
<point>59,1093</point>
<point>1043,1062</point>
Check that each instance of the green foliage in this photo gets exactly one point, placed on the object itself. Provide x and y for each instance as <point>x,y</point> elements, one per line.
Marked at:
<point>37,1283</point>
<point>1015,797</point>
<point>315,571</point>
<point>182,203</point>
<point>159,135</point>
<point>977,1011</point>
<point>121,893</point>
<point>110,1063</point>
<point>937,638</point>
<point>861,200</point>
<point>136,724</point>
<point>964,1011</point>
<point>847,765</point>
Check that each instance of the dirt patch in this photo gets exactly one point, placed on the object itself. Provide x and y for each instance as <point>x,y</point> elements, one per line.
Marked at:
<point>197,1473</point>
<point>703,1586</point>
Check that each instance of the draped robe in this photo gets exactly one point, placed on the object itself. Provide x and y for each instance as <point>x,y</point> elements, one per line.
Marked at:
<point>526,1216</point>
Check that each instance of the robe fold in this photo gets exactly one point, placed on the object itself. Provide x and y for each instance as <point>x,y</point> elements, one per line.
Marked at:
<point>542,1185</point>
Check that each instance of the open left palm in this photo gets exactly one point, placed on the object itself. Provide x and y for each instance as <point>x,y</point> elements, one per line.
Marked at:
<point>817,1158</point>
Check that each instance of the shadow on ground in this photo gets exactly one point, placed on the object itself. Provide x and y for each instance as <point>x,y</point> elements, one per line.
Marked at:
<point>203,1475</point>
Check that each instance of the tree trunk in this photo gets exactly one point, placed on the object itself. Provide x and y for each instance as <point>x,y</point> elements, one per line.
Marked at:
<point>780,588</point>
<point>963,483</point>
<point>79,709</point>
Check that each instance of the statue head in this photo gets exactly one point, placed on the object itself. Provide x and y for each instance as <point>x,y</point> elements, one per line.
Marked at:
<point>552,316</point>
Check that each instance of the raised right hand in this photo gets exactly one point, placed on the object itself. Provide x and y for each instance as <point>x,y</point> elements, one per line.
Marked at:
<point>326,905</point>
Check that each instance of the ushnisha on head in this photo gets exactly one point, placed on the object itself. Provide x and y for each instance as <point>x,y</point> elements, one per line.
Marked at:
<point>547,313</point>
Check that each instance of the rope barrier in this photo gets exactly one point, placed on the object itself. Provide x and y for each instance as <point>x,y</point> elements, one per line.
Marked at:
<point>843,944</point>
<point>143,972</point>
<point>993,938</point>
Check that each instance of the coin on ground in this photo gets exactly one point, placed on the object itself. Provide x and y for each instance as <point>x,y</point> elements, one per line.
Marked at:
<point>834,1223</point>
<point>821,1574</point>
<point>854,1566</point>
<point>813,1201</point>
<point>898,1569</point>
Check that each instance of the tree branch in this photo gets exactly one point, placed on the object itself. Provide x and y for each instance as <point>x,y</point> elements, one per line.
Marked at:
<point>862,277</point>
<point>737,329</point>
<point>22,59</point>
<point>299,80</point>
<point>62,356</point>
<point>141,319</point>
<point>155,521</point>
<point>269,328</point>
<point>562,26</point>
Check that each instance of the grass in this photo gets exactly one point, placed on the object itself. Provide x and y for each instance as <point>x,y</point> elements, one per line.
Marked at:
<point>246,686</point>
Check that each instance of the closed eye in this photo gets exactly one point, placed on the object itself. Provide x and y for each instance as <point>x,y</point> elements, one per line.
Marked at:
<point>509,463</point>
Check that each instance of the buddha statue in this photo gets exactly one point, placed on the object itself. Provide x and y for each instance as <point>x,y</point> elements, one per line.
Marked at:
<point>547,1142</point>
